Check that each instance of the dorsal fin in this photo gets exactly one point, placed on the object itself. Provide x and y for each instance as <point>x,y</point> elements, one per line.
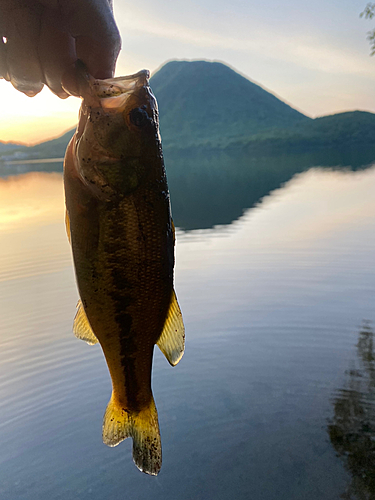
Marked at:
<point>172,340</point>
<point>81,326</point>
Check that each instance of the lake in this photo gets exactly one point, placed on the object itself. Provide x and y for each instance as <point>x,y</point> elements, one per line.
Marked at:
<point>274,397</point>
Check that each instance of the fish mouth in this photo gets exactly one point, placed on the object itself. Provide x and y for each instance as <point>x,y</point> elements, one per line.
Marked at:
<point>111,93</point>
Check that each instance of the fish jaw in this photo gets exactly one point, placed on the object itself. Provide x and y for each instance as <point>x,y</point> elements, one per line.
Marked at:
<point>93,90</point>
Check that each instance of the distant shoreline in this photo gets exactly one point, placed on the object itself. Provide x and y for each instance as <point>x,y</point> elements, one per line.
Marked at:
<point>26,162</point>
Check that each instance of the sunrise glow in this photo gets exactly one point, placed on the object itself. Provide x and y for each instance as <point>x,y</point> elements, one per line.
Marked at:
<point>315,57</point>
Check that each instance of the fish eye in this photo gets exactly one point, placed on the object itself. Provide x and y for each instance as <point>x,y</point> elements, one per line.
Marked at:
<point>139,117</point>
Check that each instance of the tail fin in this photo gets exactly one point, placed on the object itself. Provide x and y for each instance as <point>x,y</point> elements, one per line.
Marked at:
<point>119,424</point>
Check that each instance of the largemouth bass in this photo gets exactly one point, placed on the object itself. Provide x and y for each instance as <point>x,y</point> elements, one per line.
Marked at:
<point>122,237</point>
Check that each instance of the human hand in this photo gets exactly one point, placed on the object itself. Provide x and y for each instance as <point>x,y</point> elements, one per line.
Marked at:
<point>40,40</point>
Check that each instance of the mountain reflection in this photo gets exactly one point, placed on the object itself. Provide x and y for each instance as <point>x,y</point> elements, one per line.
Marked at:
<point>211,188</point>
<point>352,430</point>
<point>214,189</point>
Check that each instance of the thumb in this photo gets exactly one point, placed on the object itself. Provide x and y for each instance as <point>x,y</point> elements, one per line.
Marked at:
<point>97,37</point>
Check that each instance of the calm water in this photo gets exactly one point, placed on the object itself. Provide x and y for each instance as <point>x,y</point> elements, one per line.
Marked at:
<point>274,398</point>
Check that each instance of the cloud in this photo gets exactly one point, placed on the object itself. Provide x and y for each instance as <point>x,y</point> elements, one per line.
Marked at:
<point>310,51</point>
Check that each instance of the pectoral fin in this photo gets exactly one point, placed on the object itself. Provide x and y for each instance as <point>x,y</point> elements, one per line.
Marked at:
<point>172,340</point>
<point>67,225</point>
<point>173,231</point>
<point>81,326</point>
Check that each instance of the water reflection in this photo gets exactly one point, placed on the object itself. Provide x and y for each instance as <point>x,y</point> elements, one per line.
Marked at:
<point>270,304</point>
<point>352,430</point>
<point>33,198</point>
<point>25,166</point>
<point>215,189</point>
<point>32,235</point>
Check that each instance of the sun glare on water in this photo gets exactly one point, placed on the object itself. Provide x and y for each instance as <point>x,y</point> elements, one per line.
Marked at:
<point>30,200</point>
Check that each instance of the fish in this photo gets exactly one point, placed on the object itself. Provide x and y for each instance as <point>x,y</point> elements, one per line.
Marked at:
<point>118,221</point>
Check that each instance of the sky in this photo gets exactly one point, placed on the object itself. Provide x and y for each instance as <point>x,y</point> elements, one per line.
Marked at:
<point>312,55</point>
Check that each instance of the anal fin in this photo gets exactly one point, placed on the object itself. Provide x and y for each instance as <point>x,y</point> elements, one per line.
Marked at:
<point>81,326</point>
<point>143,426</point>
<point>172,340</point>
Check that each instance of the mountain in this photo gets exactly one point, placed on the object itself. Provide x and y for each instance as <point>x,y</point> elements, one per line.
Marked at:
<point>344,131</point>
<point>55,148</point>
<point>9,146</point>
<point>203,102</point>
<point>207,106</point>
<point>355,127</point>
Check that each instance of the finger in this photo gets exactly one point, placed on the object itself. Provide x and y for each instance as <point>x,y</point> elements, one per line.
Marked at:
<point>99,56</point>
<point>56,52</point>
<point>69,81</point>
<point>3,40</point>
<point>3,63</point>
<point>21,53</point>
<point>98,40</point>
